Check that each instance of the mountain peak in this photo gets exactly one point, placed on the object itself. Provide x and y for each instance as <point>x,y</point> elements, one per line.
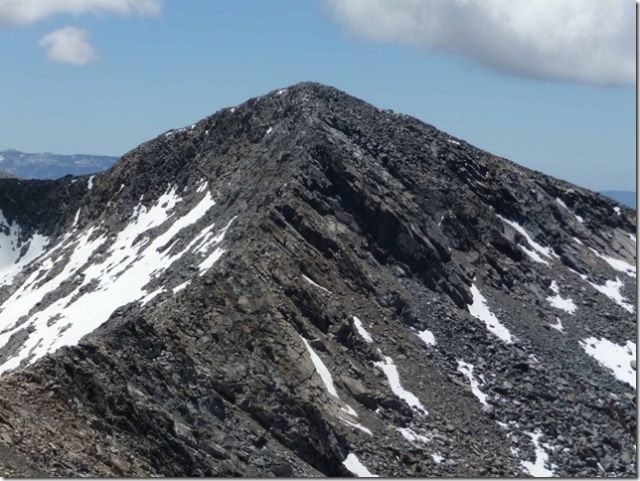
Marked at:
<point>307,285</point>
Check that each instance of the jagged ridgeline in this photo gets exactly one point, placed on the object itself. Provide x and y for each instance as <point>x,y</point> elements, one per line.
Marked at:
<point>307,285</point>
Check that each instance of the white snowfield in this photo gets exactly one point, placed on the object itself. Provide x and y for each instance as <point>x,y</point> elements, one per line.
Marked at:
<point>558,302</point>
<point>123,264</point>
<point>614,357</point>
<point>538,251</point>
<point>480,310</point>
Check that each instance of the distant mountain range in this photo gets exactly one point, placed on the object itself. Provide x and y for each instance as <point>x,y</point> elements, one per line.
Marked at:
<point>52,166</point>
<point>624,197</point>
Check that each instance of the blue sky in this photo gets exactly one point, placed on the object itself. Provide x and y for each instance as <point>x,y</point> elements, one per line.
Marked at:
<point>171,63</point>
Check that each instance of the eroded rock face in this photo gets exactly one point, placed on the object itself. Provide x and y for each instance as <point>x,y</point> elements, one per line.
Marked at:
<point>306,285</point>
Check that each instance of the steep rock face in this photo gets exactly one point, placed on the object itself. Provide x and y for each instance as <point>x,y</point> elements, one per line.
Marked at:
<point>307,285</point>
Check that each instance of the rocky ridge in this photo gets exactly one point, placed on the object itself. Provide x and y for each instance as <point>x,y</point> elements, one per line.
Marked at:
<point>307,285</point>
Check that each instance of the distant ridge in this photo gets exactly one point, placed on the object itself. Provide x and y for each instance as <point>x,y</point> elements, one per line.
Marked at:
<point>627,198</point>
<point>52,166</point>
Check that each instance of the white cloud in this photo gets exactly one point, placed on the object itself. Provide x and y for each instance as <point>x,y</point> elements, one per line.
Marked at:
<point>589,41</point>
<point>20,13</point>
<point>69,45</point>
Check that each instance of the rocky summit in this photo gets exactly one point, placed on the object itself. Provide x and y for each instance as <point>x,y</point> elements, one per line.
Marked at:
<point>308,285</point>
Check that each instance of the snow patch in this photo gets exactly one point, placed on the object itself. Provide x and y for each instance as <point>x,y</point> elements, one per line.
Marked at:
<point>353,464</point>
<point>357,426</point>
<point>350,411</point>
<point>612,290</point>
<point>558,326</point>
<point>437,457</point>
<point>614,357</point>
<point>390,370</point>
<point>538,250</point>
<point>117,276</point>
<point>212,258</point>
<point>361,330</point>
<point>467,370</point>
<point>316,285</point>
<point>148,297</point>
<point>203,186</point>
<point>561,202</point>
<point>321,369</point>
<point>11,260</point>
<point>90,182</point>
<point>427,337</point>
<point>181,287</point>
<point>411,436</point>
<point>76,218</point>
<point>617,264</point>
<point>558,302</point>
<point>538,469</point>
<point>480,310</point>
